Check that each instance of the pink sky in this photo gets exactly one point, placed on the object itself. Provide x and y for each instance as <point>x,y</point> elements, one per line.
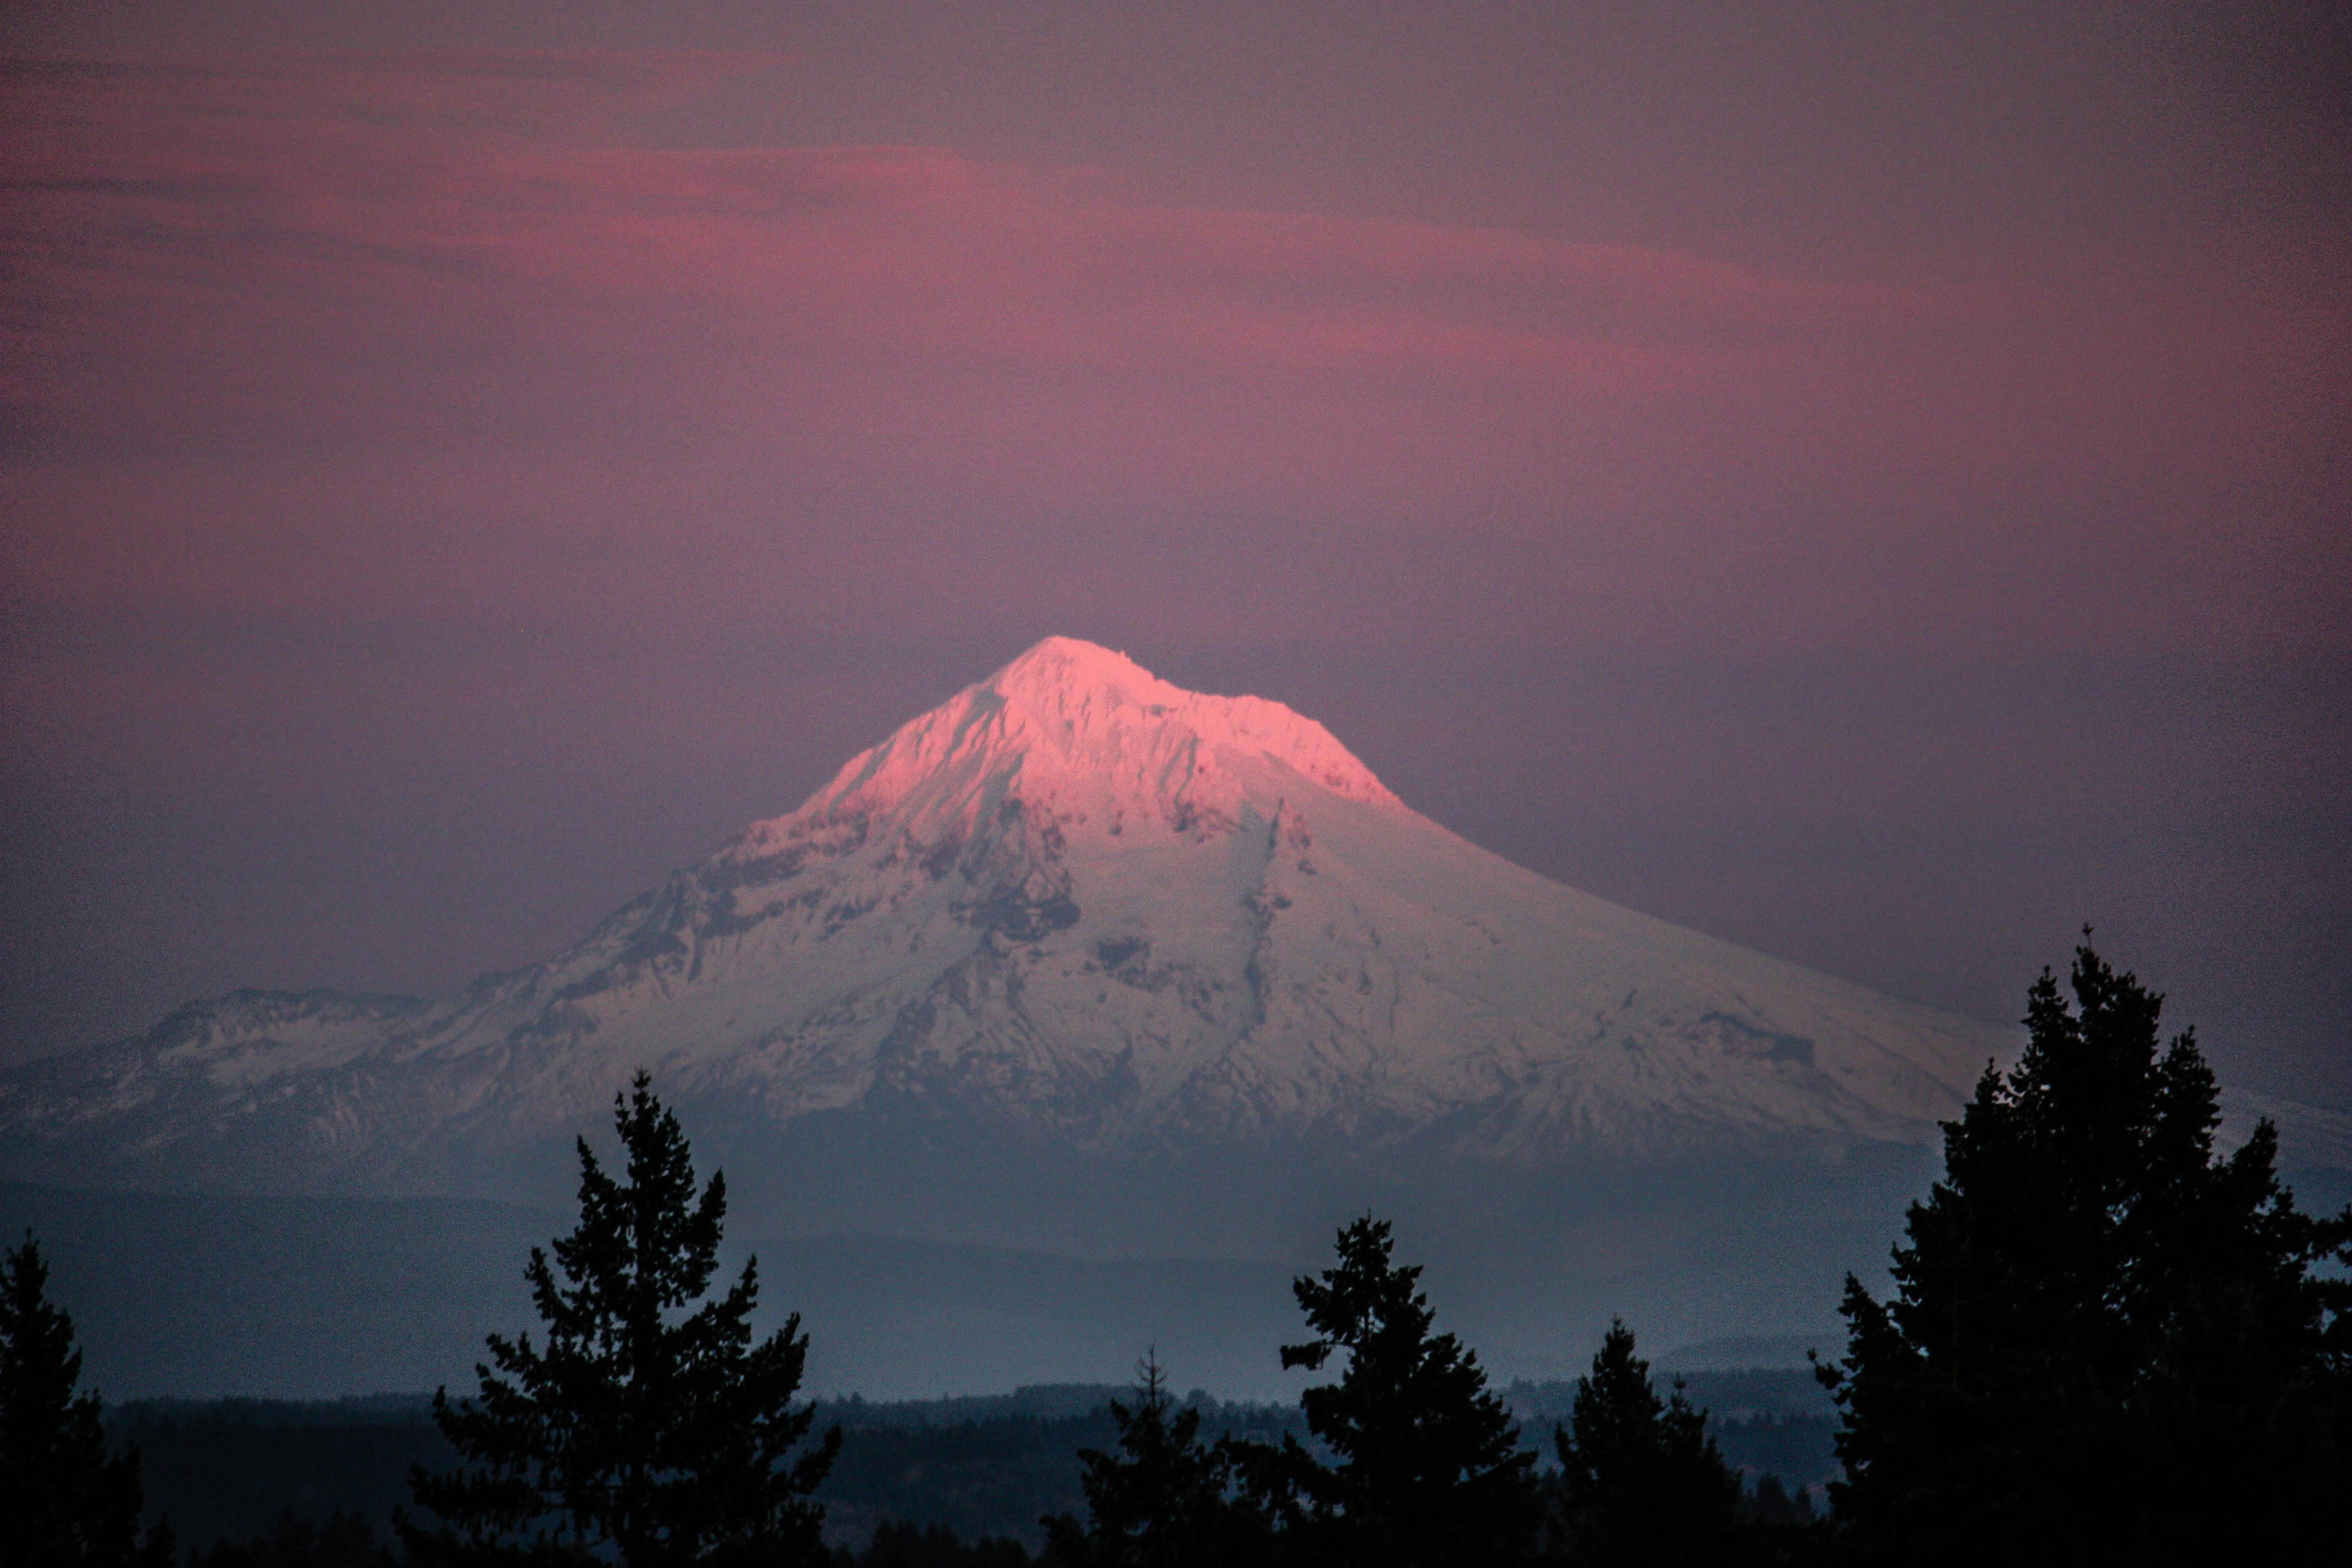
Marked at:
<point>1361,348</point>
<point>418,335</point>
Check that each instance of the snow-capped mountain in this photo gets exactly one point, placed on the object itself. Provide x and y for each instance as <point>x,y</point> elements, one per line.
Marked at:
<point>1077,902</point>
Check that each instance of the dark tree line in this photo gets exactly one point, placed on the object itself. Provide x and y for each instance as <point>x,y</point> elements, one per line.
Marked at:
<point>1415,1460</point>
<point>2105,1341</point>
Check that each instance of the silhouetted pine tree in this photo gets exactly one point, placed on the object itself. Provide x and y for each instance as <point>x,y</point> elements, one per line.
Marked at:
<point>1164,1500</point>
<point>2104,1343</point>
<point>1425,1464</point>
<point>64,1499</point>
<point>1640,1480</point>
<point>648,1428</point>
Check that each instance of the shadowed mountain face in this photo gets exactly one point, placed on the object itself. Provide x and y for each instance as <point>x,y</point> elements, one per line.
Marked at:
<point>1074,908</point>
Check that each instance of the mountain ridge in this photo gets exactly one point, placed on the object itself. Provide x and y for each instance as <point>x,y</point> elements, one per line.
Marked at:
<point>1077,899</point>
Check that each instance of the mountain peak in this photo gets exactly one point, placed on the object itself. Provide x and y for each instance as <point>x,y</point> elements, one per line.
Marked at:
<point>1061,667</point>
<point>1076,727</point>
<point>1083,685</point>
<point>1096,696</point>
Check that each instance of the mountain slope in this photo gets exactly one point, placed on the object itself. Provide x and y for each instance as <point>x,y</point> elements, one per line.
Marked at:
<point>1076,902</point>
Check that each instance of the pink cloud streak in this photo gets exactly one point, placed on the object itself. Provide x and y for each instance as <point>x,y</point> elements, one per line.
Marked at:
<point>249,301</point>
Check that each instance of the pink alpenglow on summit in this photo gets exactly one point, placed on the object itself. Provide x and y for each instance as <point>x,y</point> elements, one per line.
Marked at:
<point>1073,727</point>
<point>1081,903</point>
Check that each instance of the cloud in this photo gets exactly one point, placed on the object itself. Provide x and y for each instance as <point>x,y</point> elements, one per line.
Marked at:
<point>426,333</point>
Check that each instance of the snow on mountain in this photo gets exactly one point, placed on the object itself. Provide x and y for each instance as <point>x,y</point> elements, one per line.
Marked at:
<point>1077,901</point>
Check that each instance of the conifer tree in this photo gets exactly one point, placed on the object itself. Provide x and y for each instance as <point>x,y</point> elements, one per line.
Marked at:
<point>64,1499</point>
<point>2105,1340</point>
<point>648,1428</point>
<point>1425,1464</point>
<point>1164,1500</point>
<point>1640,1480</point>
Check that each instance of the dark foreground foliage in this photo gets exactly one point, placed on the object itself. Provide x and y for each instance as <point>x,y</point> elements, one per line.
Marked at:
<point>1642,1481</point>
<point>1415,1460</point>
<point>66,1499</point>
<point>649,1426</point>
<point>2106,1341</point>
<point>1164,1498</point>
<point>1639,1477</point>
